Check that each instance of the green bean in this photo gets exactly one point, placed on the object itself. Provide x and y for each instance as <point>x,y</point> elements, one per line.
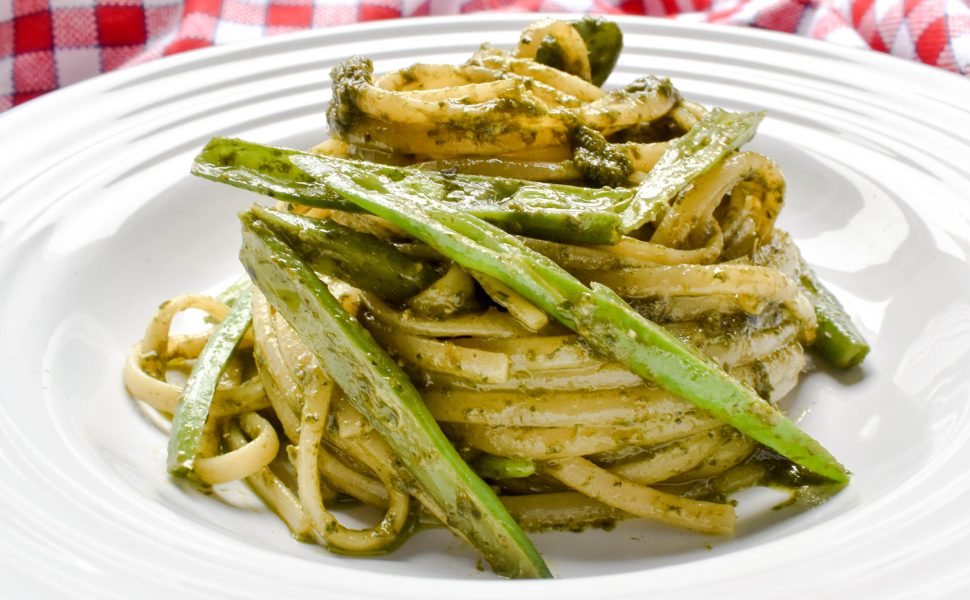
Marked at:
<point>503,467</point>
<point>542,210</point>
<point>360,259</point>
<point>607,323</point>
<point>686,158</point>
<point>235,289</point>
<point>192,409</point>
<point>837,338</point>
<point>376,386</point>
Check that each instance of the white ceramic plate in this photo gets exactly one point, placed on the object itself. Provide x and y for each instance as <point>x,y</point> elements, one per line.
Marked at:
<point>100,222</point>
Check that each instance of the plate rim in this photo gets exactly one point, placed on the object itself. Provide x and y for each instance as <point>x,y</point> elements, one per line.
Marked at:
<point>114,78</point>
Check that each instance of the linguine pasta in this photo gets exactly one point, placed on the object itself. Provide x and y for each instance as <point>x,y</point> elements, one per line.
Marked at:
<point>565,436</point>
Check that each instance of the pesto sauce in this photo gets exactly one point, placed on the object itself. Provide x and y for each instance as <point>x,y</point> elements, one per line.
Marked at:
<point>550,53</point>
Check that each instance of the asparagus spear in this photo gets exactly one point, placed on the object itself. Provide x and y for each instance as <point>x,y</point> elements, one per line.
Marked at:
<point>360,259</point>
<point>686,158</point>
<point>836,338</point>
<point>548,211</point>
<point>603,319</point>
<point>192,410</point>
<point>379,389</point>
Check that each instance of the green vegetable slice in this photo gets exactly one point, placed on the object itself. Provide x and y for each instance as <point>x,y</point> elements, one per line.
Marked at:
<point>557,212</point>
<point>378,388</point>
<point>605,321</point>
<point>686,158</point>
<point>837,338</point>
<point>362,260</point>
<point>192,409</point>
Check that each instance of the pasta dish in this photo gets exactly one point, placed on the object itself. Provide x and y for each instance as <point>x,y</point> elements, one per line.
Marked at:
<point>502,298</point>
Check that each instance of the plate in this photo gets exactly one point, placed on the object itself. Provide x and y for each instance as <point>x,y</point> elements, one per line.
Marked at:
<point>100,222</point>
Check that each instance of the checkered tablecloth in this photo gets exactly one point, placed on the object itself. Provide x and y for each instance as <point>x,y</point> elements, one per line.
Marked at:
<point>48,44</point>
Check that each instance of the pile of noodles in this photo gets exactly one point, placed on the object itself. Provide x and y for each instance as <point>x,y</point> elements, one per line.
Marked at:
<point>589,442</point>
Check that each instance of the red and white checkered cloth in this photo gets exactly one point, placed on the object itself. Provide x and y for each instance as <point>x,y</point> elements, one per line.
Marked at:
<point>47,44</point>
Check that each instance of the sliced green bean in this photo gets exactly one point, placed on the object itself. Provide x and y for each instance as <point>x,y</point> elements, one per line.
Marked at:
<point>377,387</point>
<point>490,466</point>
<point>192,409</point>
<point>837,338</point>
<point>542,210</point>
<point>360,259</point>
<point>602,318</point>
<point>685,159</point>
